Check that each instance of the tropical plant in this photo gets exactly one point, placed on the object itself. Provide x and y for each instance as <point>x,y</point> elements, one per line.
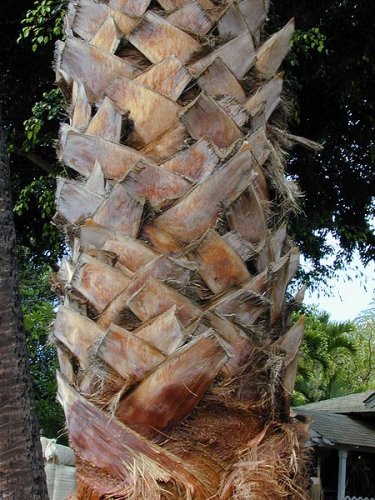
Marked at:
<point>358,373</point>
<point>177,358</point>
<point>337,357</point>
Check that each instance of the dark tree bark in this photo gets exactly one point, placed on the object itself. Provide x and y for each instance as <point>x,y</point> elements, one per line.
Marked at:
<point>21,464</point>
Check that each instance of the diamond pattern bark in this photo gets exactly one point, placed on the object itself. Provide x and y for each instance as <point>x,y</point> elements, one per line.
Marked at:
<point>174,338</point>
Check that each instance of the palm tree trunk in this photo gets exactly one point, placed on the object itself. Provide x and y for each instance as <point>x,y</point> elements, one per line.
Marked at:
<point>21,461</point>
<point>177,357</point>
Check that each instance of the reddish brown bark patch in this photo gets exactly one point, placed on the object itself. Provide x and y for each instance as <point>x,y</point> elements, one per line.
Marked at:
<point>218,430</point>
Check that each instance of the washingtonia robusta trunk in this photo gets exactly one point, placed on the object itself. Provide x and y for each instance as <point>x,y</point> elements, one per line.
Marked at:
<point>177,355</point>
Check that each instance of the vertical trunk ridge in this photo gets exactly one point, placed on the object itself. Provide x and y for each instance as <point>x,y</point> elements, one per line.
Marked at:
<point>177,354</point>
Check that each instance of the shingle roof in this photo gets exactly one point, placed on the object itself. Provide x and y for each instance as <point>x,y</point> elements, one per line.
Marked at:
<point>354,403</point>
<point>337,429</point>
<point>370,401</point>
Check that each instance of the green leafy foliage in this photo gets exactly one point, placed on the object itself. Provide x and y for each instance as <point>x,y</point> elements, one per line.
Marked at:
<point>306,42</point>
<point>38,198</point>
<point>358,373</point>
<point>330,77</point>
<point>38,304</point>
<point>336,357</point>
<point>50,108</point>
<point>43,23</point>
<point>40,191</point>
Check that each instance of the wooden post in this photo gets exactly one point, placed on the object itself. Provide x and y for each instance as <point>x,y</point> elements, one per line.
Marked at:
<point>343,455</point>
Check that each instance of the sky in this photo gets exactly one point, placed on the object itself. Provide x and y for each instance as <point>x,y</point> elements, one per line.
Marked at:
<point>352,291</point>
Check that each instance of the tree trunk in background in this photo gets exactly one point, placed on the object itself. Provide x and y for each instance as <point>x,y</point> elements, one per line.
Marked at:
<point>21,461</point>
<point>177,356</point>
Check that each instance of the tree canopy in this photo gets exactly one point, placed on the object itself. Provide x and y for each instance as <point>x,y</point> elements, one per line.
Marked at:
<point>331,82</point>
<point>24,79</point>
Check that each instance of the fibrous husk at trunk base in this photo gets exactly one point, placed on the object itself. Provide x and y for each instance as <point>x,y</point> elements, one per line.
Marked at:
<point>177,354</point>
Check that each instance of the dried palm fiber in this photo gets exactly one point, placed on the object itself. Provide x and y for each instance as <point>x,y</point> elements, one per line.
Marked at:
<point>177,358</point>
